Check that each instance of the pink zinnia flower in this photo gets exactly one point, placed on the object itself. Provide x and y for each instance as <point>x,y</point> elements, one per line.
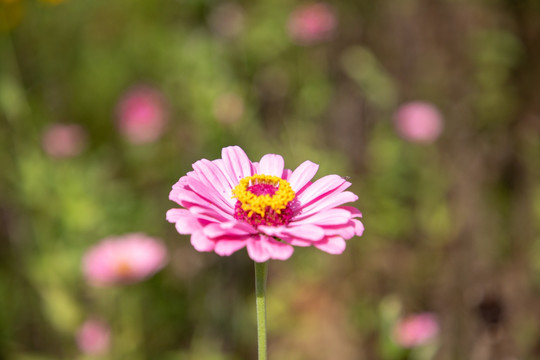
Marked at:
<point>64,140</point>
<point>141,115</point>
<point>93,337</point>
<point>312,23</point>
<point>416,330</point>
<point>418,122</point>
<point>124,259</point>
<point>232,203</point>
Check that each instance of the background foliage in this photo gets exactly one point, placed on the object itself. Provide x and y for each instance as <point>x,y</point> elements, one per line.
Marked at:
<point>451,227</point>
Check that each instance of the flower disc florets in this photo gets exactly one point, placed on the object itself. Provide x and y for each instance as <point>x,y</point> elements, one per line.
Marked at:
<point>263,200</point>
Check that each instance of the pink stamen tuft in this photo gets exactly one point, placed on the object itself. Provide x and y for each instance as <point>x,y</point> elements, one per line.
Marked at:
<point>262,189</point>
<point>271,217</point>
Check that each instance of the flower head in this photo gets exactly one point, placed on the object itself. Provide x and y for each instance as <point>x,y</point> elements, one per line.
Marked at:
<point>64,140</point>
<point>141,115</point>
<point>418,122</point>
<point>312,23</point>
<point>93,337</point>
<point>416,330</point>
<point>125,259</point>
<point>232,203</point>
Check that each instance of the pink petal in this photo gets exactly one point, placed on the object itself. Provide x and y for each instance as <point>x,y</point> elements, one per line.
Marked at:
<point>221,165</point>
<point>299,242</point>
<point>255,167</point>
<point>173,195</point>
<point>271,230</point>
<point>181,183</point>
<point>306,232</point>
<point>189,199</point>
<point>325,202</point>
<point>228,229</point>
<point>327,217</point>
<point>184,221</point>
<point>174,215</point>
<point>271,164</point>
<point>286,174</point>
<point>187,225</point>
<point>210,174</point>
<point>210,194</point>
<point>228,246</point>
<point>302,175</point>
<point>280,234</point>
<point>277,250</point>
<point>324,186</point>
<point>332,245</point>
<point>358,227</point>
<point>346,231</point>
<point>354,211</point>
<point>208,214</point>
<point>201,242</point>
<point>257,251</point>
<point>236,162</point>
<point>183,194</point>
<point>263,248</point>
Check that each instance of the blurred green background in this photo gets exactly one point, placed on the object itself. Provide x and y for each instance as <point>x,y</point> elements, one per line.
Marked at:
<point>451,226</point>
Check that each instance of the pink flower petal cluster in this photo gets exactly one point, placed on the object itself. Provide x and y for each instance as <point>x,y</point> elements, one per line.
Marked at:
<point>416,330</point>
<point>93,337</point>
<point>312,23</point>
<point>124,259</point>
<point>141,115</point>
<point>64,140</point>
<point>303,213</point>
<point>419,122</point>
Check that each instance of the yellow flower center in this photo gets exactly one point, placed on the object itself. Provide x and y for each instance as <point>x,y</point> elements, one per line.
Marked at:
<point>259,194</point>
<point>124,269</point>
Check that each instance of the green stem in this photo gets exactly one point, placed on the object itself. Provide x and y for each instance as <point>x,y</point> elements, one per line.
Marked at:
<point>261,272</point>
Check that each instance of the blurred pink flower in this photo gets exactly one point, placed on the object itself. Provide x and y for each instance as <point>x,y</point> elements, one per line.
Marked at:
<point>418,122</point>
<point>232,203</point>
<point>93,337</point>
<point>64,140</point>
<point>416,330</point>
<point>124,259</point>
<point>141,115</point>
<point>312,23</point>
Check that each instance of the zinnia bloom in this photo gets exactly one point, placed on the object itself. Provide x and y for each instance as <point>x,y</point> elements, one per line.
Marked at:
<point>93,337</point>
<point>125,259</point>
<point>232,203</point>
<point>142,115</point>
<point>312,23</point>
<point>64,140</point>
<point>419,122</point>
<point>416,330</point>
